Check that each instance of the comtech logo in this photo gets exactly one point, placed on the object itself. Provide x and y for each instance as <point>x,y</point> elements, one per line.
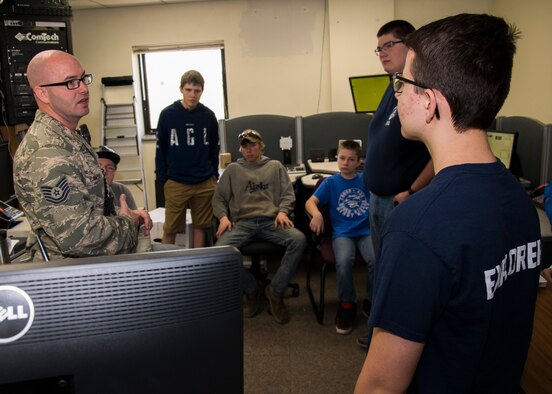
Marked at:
<point>16,314</point>
<point>42,37</point>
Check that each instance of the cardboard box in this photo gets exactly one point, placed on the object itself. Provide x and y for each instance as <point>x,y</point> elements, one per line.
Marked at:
<point>225,159</point>
<point>184,239</point>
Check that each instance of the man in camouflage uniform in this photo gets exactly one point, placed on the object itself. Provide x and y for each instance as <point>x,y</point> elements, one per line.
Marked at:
<point>58,180</point>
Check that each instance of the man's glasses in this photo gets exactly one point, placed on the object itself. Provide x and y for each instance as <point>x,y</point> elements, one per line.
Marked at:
<point>72,84</point>
<point>398,85</point>
<point>385,47</point>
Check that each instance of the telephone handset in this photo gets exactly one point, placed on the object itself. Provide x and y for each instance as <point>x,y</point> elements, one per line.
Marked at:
<point>9,213</point>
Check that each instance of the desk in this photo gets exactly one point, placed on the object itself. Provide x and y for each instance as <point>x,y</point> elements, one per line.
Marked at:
<point>537,376</point>
<point>311,180</point>
<point>20,230</point>
<point>546,239</point>
<point>324,167</point>
<point>294,175</point>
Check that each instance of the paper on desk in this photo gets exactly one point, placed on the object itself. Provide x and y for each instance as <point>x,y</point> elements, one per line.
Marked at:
<point>11,244</point>
<point>542,281</point>
<point>157,215</point>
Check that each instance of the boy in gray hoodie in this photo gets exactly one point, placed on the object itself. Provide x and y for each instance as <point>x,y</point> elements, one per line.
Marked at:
<point>252,201</point>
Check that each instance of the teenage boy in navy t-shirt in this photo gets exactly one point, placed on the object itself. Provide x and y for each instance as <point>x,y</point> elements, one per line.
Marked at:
<point>457,276</point>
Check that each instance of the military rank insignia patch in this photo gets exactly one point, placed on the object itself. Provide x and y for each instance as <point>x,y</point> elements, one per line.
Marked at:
<point>57,194</point>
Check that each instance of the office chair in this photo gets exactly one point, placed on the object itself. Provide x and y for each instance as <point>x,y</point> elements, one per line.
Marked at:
<point>256,250</point>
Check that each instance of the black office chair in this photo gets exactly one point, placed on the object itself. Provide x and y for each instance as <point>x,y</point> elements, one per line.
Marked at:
<point>256,250</point>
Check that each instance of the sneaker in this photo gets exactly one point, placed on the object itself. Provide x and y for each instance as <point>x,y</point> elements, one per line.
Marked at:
<point>276,306</point>
<point>252,303</point>
<point>345,318</point>
<point>366,307</point>
<point>363,341</point>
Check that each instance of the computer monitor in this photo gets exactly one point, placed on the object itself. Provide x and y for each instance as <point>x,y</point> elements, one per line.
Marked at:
<point>159,322</point>
<point>503,145</point>
<point>367,91</point>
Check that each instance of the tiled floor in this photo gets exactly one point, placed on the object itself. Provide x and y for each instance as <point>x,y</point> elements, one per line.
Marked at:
<point>303,356</point>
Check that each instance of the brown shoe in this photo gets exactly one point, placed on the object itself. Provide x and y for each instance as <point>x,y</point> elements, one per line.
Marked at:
<point>252,303</point>
<point>276,308</point>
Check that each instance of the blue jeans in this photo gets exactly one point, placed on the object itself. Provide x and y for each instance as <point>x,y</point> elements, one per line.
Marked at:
<point>345,254</point>
<point>380,209</point>
<point>247,230</point>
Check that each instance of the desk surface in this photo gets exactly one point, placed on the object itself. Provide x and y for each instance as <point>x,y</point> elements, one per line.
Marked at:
<point>537,376</point>
<point>325,167</point>
<point>20,230</point>
<point>546,232</point>
<point>310,180</point>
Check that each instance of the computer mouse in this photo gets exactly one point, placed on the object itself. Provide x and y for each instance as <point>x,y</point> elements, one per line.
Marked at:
<point>316,176</point>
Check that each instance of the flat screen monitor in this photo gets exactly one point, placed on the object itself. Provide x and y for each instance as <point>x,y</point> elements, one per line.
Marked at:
<point>503,145</point>
<point>367,91</point>
<point>159,322</point>
<point>6,173</point>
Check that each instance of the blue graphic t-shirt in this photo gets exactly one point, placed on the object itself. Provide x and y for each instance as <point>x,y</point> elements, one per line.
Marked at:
<point>348,201</point>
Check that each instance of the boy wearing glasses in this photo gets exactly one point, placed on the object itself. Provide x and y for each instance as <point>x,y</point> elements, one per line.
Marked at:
<point>458,271</point>
<point>253,200</point>
<point>58,181</point>
<point>395,167</point>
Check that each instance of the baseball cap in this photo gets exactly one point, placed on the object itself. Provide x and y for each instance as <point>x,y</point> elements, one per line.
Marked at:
<point>250,135</point>
<point>105,152</point>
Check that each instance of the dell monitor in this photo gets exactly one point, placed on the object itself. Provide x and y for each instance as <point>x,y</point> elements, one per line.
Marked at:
<point>159,322</point>
<point>503,145</point>
<point>367,91</point>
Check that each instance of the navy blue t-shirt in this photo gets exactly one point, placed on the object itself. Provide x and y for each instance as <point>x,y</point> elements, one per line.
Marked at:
<point>392,161</point>
<point>458,271</point>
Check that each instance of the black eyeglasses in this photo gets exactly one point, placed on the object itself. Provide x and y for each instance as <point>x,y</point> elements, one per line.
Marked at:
<point>72,84</point>
<point>399,81</point>
<point>387,46</point>
<point>398,85</point>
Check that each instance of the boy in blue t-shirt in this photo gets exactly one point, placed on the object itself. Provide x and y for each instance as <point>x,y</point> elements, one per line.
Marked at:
<point>348,202</point>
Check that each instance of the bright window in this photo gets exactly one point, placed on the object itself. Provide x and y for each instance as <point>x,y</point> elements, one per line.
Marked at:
<point>161,69</point>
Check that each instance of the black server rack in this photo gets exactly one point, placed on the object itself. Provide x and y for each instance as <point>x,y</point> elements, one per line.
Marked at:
<point>27,27</point>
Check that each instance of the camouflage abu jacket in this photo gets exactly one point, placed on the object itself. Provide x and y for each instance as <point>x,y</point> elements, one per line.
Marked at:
<point>60,186</point>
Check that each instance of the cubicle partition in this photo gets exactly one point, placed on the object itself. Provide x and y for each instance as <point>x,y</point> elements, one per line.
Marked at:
<point>272,127</point>
<point>323,131</point>
<point>315,132</point>
<point>533,147</point>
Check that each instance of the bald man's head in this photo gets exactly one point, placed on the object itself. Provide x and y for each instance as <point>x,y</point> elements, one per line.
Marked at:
<point>64,104</point>
<point>42,67</point>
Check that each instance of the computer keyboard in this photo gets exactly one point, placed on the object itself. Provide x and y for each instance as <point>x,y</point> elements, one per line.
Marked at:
<point>295,168</point>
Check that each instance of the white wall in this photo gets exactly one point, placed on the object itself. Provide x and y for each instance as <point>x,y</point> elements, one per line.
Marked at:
<point>294,57</point>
